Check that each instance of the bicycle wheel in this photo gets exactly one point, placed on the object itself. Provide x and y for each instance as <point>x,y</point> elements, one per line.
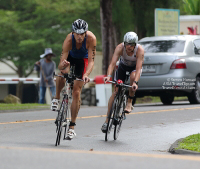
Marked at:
<point>60,121</point>
<point>111,119</point>
<point>66,119</point>
<point>121,116</point>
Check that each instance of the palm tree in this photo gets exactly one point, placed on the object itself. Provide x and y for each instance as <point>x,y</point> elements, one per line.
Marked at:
<point>192,7</point>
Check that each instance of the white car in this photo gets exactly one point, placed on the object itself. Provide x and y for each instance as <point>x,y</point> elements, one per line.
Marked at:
<point>171,68</point>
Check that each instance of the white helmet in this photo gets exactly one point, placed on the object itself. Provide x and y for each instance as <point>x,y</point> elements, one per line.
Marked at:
<point>131,37</point>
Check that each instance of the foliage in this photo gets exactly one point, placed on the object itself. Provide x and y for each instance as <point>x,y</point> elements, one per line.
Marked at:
<point>192,7</point>
<point>122,15</point>
<point>29,28</point>
<point>144,14</point>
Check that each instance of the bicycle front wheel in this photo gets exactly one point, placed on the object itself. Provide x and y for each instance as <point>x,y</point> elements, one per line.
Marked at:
<point>111,119</point>
<point>120,117</point>
<point>59,123</point>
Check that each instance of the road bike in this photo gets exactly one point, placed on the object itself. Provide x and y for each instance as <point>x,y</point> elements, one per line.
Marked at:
<point>117,114</point>
<point>64,112</point>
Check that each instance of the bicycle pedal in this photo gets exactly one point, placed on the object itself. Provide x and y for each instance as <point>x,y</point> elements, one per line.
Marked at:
<point>64,124</point>
<point>67,138</point>
<point>56,122</point>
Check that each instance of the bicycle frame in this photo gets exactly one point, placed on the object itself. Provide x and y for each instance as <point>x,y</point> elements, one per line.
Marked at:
<point>117,111</point>
<point>65,112</point>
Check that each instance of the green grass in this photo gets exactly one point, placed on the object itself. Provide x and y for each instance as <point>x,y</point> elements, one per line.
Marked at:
<point>4,106</point>
<point>190,143</point>
<point>149,99</point>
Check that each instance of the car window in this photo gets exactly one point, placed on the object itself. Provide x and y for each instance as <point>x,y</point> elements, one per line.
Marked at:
<point>163,46</point>
<point>197,46</point>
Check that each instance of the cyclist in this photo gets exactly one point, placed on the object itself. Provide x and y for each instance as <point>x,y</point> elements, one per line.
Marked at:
<point>131,59</point>
<point>79,49</point>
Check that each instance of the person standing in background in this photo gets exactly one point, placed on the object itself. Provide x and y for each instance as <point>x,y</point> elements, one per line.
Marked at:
<point>47,68</point>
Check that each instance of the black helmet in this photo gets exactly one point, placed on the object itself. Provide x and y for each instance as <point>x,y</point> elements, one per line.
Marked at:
<point>79,26</point>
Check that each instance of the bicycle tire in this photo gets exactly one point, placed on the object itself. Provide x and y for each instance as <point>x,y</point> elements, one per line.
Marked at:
<point>111,119</point>
<point>60,121</point>
<point>66,118</point>
<point>120,118</point>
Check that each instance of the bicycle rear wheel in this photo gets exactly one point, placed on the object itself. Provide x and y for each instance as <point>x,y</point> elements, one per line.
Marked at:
<point>120,118</point>
<point>59,122</point>
<point>111,119</point>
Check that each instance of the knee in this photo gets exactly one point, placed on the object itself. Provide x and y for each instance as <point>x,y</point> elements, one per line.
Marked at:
<point>76,94</point>
<point>60,80</point>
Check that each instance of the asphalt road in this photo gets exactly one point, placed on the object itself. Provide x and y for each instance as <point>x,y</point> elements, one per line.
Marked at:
<point>27,139</point>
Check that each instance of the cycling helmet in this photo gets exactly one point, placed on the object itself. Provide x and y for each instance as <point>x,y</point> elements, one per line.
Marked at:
<point>79,26</point>
<point>131,37</point>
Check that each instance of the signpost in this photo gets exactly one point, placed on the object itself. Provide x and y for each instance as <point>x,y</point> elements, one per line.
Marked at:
<point>167,22</point>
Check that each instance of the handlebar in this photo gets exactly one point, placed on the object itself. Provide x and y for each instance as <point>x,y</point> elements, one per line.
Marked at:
<point>121,84</point>
<point>67,76</point>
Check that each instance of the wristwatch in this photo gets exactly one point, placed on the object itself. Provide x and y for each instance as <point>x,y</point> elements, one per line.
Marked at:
<point>136,82</point>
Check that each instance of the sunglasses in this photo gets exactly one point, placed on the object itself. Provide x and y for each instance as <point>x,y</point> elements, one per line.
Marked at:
<point>131,44</point>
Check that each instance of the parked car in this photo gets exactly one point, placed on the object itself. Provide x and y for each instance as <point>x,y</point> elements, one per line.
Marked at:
<point>171,68</point>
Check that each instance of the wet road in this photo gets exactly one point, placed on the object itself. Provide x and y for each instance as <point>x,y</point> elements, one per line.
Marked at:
<point>146,135</point>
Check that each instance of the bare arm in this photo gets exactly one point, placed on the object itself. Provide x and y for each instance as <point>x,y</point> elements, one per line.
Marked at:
<point>91,55</point>
<point>140,60</point>
<point>67,45</point>
<point>117,53</point>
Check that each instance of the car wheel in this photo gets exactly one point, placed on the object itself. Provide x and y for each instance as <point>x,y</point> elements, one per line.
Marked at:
<point>194,97</point>
<point>167,98</point>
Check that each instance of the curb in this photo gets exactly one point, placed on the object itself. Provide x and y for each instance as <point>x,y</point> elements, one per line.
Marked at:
<point>173,149</point>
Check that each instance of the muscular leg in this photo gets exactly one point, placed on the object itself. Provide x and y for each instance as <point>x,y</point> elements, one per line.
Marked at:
<point>76,101</point>
<point>131,93</point>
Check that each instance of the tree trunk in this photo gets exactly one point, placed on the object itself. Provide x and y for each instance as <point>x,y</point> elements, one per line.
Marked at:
<point>106,32</point>
<point>19,91</point>
<point>139,7</point>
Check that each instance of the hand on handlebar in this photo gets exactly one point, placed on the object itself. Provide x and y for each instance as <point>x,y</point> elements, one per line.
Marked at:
<point>134,87</point>
<point>86,79</point>
<point>106,79</point>
<point>64,64</point>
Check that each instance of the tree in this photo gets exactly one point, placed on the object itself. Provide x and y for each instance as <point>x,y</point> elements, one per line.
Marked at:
<point>123,17</point>
<point>192,7</point>
<point>106,32</point>
<point>144,14</point>
<point>29,26</point>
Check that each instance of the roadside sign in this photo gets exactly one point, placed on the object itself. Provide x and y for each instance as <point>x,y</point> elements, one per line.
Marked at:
<point>167,22</point>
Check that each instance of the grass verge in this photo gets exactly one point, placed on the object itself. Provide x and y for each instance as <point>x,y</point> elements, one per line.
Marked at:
<point>149,99</point>
<point>28,106</point>
<point>16,107</point>
<point>191,142</point>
